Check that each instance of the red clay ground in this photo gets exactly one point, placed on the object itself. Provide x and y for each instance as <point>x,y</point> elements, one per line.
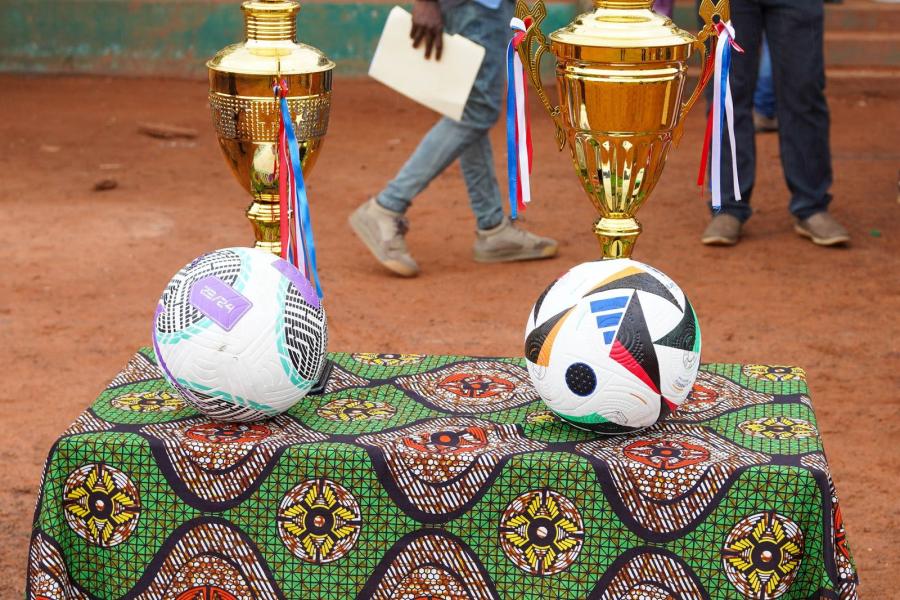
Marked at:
<point>82,270</point>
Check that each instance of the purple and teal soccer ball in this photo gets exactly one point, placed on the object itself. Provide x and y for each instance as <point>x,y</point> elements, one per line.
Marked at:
<point>241,334</point>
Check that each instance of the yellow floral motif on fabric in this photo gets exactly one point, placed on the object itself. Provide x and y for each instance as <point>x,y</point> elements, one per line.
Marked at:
<point>387,360</point>
<point>541,532</point>
<point>347,410</point>
<point>762,554</point>
<point>149,402</point>
<point>778,428</point>
<point>100,509</point>
<point>319,521</point>
<point>775,372</point>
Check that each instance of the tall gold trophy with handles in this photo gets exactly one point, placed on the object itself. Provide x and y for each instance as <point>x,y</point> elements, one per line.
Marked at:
<point>246,113</point>
<point>620,72</point>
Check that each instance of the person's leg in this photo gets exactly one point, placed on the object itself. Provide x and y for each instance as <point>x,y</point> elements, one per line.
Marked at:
<point>746,16</point>
<point>492,31</point>
<point>438,149</point>
<point>448,139</point>
<point>795,29</point>
<point>496,238</point>
<point>380,223</point>
<point>764,96</point>
<point>477,164</point>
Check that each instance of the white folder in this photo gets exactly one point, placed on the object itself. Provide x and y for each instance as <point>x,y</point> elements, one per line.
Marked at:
<point>441,85</point>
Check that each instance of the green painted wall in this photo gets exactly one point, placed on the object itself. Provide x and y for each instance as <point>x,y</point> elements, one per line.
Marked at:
<point>174,38</point>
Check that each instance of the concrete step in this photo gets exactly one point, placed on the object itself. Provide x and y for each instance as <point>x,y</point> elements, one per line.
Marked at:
<point>870,49</point>
<point>862,15</point>
<point>863,73</point>
<point>852,15</point>
<point>859,34</point>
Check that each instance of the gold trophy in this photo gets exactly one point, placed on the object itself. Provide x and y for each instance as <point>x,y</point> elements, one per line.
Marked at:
<point>246,113</point>
<point>620,72</point>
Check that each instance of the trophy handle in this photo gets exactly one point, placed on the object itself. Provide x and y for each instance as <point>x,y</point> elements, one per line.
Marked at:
<point>711,14</point>
<point>533,16</point>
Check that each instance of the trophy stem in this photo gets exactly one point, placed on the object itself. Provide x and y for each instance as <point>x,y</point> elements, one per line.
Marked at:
<point>264,214</point>
<point>617,235</point>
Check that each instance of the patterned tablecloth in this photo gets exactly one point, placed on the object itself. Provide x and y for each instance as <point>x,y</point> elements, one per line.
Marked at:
<point>441,477</point>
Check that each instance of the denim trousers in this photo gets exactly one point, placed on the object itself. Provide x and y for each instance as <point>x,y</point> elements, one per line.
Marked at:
<point>764,96</point>
<point>466,139</point>
<point>794,30</point>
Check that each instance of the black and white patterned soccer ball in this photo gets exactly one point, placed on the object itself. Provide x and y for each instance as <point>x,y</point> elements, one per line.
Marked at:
<point>613,346</point>
<point>241,334</point>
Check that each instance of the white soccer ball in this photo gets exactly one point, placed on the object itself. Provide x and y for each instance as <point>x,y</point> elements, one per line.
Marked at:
<point>613,346</point>
<point>241,334</point>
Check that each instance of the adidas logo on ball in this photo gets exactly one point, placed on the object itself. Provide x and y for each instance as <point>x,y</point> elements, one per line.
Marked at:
<point>613,346</point>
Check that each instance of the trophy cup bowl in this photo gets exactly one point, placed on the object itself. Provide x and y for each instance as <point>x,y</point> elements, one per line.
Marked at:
<point>620,72</point>
<point>246,113</point>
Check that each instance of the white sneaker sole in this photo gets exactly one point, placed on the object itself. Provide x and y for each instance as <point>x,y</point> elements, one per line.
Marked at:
<point>718,240</point>
<point>515,255</point>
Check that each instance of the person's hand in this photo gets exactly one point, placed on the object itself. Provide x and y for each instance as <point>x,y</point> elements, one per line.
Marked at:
<point>428,25</point>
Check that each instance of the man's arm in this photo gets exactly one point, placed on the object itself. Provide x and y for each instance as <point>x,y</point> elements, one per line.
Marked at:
<point>427,25</point>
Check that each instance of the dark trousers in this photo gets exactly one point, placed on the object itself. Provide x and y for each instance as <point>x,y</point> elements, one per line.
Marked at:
<point>794,29</point>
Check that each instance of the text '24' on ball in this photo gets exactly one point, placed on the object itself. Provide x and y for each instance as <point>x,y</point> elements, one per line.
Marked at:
<point>241,334</point>
<point>613,346</point>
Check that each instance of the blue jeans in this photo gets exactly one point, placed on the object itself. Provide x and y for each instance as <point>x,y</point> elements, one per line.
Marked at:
<point>466,139</point>
<point>764,96</point>
<point>794,30</point>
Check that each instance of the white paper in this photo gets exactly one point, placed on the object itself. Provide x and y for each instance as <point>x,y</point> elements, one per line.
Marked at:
<point>442,85</point>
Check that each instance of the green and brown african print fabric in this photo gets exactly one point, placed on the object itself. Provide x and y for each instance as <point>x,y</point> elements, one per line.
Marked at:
<point>420,477</point>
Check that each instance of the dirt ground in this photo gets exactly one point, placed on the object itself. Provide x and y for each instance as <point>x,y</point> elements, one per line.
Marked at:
<point>82,270</point>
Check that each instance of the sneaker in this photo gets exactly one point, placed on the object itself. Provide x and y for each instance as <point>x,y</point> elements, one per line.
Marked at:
<point>506,243</point>
<point>382,231</point>
<point>764,124</point>
<point>823,230</point>
<point>723,230</point>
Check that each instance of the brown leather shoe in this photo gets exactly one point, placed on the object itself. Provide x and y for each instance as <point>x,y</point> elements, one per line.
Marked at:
<point>723,230</point>
<point>823,230</point>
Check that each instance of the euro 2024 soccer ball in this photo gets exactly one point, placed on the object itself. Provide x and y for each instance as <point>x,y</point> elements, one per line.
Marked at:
<point>613,346</point>
<point>241,334</point>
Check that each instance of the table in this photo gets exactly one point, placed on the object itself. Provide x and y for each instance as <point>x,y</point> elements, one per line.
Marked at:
<point>420,477</point>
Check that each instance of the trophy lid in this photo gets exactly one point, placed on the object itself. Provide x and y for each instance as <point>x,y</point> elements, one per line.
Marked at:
<point>270,47</point>
<point>622,31</point>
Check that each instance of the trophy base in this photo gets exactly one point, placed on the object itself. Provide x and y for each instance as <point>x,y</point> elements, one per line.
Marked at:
<point>265,218</point>
<point>273,247</point>
<point>617,236</point>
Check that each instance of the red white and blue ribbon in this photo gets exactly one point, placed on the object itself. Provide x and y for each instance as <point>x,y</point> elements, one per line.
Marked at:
<point>297,244</point>
<point>721,117</point>
<point>518,128</point>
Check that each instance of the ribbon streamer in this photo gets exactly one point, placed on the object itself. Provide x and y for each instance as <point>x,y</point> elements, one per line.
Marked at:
<point>285,187</point>
<point>297,244</point>
<point>518,129</point>
<point>721,117</point>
